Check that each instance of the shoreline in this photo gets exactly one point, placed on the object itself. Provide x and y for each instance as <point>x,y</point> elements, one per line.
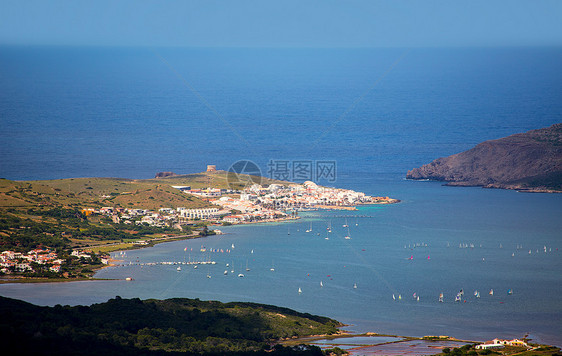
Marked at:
<point>358,347</point>
<point>502,186</point>
<point>159,240</point>
<point>404,344</point>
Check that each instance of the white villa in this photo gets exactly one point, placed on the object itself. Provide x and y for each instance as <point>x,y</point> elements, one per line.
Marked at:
<point>497,343</point>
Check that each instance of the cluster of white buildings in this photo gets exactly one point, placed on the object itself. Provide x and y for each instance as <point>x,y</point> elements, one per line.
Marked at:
<point>259,203</point>
<point>21,262</point>
<point>306,196</point>
<point>134,216</point>
<point>247,211</point>
<point>499,343</point>
<point>11,261</point>
<point>254,204</point>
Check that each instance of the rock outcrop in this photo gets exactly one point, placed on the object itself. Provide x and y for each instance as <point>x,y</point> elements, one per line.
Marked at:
<point>530,161</point>
<point>165,174</point>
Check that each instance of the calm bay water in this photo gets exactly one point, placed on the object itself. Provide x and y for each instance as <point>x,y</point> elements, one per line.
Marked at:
<point>70,112</point>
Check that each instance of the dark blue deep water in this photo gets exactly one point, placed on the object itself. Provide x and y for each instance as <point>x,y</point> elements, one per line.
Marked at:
<point>77,112</point>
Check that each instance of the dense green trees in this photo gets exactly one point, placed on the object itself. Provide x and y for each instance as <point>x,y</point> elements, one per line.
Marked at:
<point>54,227</point>
<point>152,327</point>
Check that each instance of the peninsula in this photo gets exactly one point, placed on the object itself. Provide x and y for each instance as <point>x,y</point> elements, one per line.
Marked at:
<point>64,229</point>
<point>530,161</point>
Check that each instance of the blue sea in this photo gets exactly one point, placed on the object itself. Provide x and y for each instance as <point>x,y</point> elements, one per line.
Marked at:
<point>131,112</point>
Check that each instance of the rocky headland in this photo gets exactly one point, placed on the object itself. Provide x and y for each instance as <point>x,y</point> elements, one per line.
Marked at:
<point>530,161</point>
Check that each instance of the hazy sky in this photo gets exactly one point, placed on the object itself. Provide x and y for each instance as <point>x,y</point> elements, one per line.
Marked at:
<point>287,23</point>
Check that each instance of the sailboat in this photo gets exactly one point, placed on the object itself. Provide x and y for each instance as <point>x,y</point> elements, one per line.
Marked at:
<point>321,284</point>
<point>225,272</point>
<point>345,225</point>
<point>178,269</point>
<point>309,230</point>
<point>399,296</point>
<point>458,298</point>
<point>491,292</point>
<point>272,267</point>
<point>300,291</point>
<point>247,268</point>
<point>355,286</point>
<point>288,231</point>
<point>510,292</point>
<point>393,297</point>
<point>418,298</point>
<point>347,237</point>
<point>441,297</point>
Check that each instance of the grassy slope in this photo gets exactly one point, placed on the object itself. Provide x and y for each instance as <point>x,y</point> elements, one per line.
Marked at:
<point>128,193</point>
<point>219,179</point>
<point>17,197</point>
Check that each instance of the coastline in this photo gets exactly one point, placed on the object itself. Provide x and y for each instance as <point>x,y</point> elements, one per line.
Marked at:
<point>404,344</point>
<point>150,243</point>
<point>517,188</point>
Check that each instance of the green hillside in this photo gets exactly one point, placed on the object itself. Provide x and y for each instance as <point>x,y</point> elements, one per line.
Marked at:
<point>156,327</point>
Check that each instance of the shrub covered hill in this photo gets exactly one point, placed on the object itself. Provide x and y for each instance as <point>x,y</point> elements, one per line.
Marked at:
<point>530,161</point>
<point>156,327</point>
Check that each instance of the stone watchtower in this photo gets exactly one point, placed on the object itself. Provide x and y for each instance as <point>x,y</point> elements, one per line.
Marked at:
<point>211,168</point>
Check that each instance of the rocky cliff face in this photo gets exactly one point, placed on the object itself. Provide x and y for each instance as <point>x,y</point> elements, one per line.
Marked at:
<point>527,161</point>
